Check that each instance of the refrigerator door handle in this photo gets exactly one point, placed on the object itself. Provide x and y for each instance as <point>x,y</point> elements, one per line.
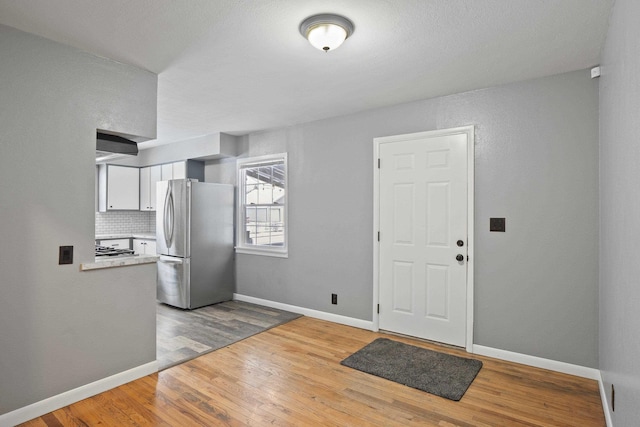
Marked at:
<point>171,260</point>
<point>168,217</point>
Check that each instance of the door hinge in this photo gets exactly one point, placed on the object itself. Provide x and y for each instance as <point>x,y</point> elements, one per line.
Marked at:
<point>378,308</point>
<point>378,163</point>
<point>378,236</point>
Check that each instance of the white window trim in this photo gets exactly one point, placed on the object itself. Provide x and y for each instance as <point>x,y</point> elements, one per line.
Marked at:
<point>241,247</point>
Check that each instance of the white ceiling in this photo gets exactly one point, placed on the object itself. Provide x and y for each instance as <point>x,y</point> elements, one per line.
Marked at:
<point>241,65</point>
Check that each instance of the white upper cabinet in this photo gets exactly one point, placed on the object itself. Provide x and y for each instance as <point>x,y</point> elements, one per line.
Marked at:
<point>119,188</point>
<point>132,188</point>
<point>177,170</point>
<point>167,172</point>
<point>149,176</point>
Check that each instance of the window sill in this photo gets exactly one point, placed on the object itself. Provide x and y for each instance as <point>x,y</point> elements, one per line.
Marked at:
<point>263,252</point>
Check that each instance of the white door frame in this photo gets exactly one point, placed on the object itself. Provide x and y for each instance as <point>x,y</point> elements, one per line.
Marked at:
<point>469,131</point>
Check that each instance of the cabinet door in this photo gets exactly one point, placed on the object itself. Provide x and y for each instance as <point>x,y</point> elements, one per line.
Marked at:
<point>155,175</point>
<point>150,248</point>
<point>145,189</point>
<point>144,247</point>
<point>138,246</point>
<point>149,177</point>
<point>179,170</point>
<point>167,172</point>
<point>123,188</point>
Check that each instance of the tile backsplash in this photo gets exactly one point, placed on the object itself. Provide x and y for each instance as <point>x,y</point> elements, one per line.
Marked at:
<point>123,222</point>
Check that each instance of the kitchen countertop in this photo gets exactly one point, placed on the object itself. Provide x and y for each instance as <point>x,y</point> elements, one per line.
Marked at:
<point>149,236</point>
<point>124,261</point>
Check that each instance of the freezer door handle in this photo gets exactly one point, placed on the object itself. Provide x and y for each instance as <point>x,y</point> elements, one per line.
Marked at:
<point>171,260</point>
<point>168,217</point>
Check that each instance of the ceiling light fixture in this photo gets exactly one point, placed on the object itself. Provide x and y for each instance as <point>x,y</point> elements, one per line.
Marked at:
<point>326,31</point>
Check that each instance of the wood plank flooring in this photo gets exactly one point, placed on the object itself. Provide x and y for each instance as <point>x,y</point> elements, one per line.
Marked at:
<point>185,334</point>
<point>291,376</point>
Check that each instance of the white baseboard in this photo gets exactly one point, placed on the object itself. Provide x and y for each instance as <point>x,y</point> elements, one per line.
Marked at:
<point>524,359</point>
<point>77,394</point>
<point>605,402</point>
<point>552,365</point>
<point>316,314</point>
<point>538,362</point>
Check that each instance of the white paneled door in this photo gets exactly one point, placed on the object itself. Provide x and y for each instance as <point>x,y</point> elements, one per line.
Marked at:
<point>423,200</point>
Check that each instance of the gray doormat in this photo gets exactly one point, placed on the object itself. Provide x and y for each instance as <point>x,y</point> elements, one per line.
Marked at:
<point>436,373</point>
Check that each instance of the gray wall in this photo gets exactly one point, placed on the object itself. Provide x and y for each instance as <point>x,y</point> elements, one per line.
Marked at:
<point>620,212</point>
<point>62,328</point>
<point>536,285</point>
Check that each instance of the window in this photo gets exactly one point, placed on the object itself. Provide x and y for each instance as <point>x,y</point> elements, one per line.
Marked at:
<point>262,205</point>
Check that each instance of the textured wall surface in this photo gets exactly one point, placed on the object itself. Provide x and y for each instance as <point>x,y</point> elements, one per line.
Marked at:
<point>620,212</point>
<point>62,328</point>
<point>536,160</point>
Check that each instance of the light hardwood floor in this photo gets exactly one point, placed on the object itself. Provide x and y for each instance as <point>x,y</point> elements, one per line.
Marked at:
<point>291,376</point>
<point>185,334</point>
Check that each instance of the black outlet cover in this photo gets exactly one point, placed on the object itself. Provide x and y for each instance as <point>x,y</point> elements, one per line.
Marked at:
<point>334,298</point>
<point>497,224</point>
<point>65,255</point>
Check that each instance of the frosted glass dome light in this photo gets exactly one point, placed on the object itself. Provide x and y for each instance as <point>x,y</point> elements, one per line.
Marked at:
<point>326,32</point>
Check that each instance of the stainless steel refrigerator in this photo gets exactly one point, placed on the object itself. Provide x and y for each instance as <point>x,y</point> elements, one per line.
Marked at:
<point>194,235</point>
